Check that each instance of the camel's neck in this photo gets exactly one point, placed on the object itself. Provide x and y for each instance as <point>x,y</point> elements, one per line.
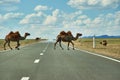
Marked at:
<point>75,38</point>
<point>23,38</point>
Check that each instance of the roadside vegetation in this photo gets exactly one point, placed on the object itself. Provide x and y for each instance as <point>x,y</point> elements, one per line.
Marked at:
<point>112,49</point>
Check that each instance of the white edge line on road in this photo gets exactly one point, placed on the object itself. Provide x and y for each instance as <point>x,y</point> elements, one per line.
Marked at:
<point>25,78</point>
<point>98,55</point>
<point>37,61</point>
<point>101,56</point>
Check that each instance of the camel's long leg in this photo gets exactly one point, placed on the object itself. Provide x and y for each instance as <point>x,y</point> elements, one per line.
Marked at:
<point>18,44</point>
<point>68,45</point>
<point>60,45</point>
<point>55,44</point>
<point>5,45</point>
<point>9,45</point>
<point>72,44</point>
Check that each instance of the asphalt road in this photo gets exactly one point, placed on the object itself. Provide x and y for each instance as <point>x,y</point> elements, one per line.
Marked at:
<point>41,62</point>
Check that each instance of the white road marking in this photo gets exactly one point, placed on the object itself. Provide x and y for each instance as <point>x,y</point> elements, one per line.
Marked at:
<point>37,61</point>
<point>41,54</point>
<point>25,78</point>
<point>101,56</point>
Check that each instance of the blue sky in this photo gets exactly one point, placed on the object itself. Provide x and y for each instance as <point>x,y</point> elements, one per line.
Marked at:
<point>46,18</point>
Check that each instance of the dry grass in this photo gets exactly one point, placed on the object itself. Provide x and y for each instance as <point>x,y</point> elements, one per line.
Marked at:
<point>112,49</point>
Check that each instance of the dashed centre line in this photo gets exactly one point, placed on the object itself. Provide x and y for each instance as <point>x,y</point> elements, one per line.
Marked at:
<point>37,61</point>
<point>25,78</point>
<point>41,54</point>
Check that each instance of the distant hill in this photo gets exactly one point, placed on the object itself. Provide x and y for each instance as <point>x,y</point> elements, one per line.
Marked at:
<point>102,36</point>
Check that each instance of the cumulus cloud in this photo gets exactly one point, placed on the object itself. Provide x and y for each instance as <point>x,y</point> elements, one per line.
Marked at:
<point>94,4</point>
<point>76,22</point>
<point>2,2</point>
<point>9,16</point>
<point>40,8</point>
<point>8,5</point>
<point>33,18</point>
<point>39,17</point>
<point>51,19</point>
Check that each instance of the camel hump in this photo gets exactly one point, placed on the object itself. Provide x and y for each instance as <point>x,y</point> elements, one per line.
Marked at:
<point>11,32</point>
<point>17,32</point>
<point>63,33</point>
<point>69,33</point>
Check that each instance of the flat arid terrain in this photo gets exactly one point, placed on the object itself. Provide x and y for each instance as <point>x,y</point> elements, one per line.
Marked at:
<point>112,49</point>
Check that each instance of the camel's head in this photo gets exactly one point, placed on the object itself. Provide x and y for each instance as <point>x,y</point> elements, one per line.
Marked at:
<point>27,34</point>
<point>79,34</point>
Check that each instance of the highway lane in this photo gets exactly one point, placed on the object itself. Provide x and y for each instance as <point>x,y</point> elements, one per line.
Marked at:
<point>41,62</point>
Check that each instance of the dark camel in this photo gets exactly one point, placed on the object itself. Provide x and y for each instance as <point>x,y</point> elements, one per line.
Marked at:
<point>66,37</point>
<point>104,43</point>
<point>16,37</point>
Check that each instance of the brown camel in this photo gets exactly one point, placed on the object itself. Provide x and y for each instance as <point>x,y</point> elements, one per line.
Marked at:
<point>104,43</point>
<point>16,37</point>
<point>66,37</point>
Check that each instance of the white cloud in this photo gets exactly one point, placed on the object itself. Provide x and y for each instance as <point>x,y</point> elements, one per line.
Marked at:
<point>96,4</point>
<point>93,2</point>
<point>52,24</point>
<point>87,21</point>
<point>82,17</point>
<point>97,20</point>
<point>2,2</point>
<point>37,17</point>
<point>55,12</point>
<point>41,8</point>
<point>9,16</point>
<point>33,18</point>
<point>12,15</point>
<point>9,5</point>
<point>110,3</point>
<point>51,19</point>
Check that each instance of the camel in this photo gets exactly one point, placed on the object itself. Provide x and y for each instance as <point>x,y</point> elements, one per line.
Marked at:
<point>37,38</point>
<point>16,37</point>
<point>66,37</point>
<point>104,43</point>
